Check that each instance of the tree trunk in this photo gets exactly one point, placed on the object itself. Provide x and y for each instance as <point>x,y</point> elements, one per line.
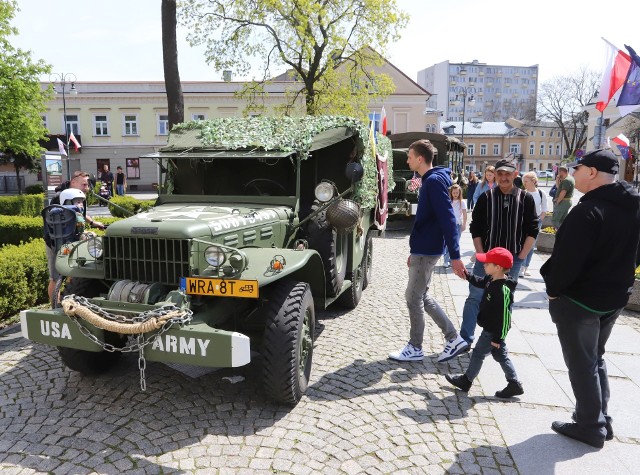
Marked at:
<point>175,101</point>
<point>18,178</point>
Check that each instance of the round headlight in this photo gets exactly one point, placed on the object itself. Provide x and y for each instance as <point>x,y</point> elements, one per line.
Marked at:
<point>94,246</point>
<point>214,256</point>
<point>324,191</point>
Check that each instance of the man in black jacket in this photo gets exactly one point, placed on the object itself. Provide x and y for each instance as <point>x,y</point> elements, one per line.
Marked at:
<point>588,278</point>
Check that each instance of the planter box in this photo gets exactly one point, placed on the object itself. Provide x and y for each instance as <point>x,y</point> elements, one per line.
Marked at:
<point>546,221</point>
<point>634,298</point>
<point>545,242</point>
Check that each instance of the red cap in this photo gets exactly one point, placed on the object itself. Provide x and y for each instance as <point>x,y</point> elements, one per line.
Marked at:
<point>498,255</point>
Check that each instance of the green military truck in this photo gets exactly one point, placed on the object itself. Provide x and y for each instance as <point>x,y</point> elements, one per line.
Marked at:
<point>259,222</point>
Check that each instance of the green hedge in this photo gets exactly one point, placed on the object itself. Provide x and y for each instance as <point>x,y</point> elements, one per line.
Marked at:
<point>17,229</point>
<point>23,277</point>
<point>22,205</point>
<point>129,203</point>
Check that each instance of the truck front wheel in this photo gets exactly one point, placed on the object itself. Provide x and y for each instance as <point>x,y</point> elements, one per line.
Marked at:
<point>89,362</point>
<point>288,342</point>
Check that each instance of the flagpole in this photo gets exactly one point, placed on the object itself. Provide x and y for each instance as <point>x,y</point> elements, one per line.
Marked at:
<point>63,78</point>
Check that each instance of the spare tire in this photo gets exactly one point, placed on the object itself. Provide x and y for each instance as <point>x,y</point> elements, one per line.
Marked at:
<point>332,248</point>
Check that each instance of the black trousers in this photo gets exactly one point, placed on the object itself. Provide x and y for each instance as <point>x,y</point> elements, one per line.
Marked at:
<point>583,336</point>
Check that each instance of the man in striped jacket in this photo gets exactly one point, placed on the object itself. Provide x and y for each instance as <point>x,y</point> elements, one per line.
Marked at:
<point>504,216</point>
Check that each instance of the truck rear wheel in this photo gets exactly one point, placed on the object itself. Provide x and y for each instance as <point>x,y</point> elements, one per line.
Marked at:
<point>367,263</point>
<point>288,342</point>
<point>332,248</point>
<point>352,296</point>
<point>89,362</point>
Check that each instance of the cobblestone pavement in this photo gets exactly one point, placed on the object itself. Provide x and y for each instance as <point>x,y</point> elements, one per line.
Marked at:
<point>362,413</point>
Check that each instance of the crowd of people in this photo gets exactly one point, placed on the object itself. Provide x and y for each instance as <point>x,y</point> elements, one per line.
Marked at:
<point>588,279</point>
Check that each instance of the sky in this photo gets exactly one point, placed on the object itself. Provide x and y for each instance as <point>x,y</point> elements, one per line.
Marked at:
<point>120,40</point>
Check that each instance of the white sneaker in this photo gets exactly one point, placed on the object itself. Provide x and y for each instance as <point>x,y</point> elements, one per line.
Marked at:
<point>453,348</point>
<point>408,353</point>
<point>523,272</point>
<point>527,273</point>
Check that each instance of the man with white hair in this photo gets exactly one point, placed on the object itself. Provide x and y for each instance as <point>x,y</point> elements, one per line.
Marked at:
<point>589,278</point>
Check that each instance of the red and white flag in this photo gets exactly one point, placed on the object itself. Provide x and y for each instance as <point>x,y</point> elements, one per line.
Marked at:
<point>75,141</point>
<point>383,122</point>
<point>616,67</point>
<point>621,140</point>
<point>414,183</point>
<point>61,147</point>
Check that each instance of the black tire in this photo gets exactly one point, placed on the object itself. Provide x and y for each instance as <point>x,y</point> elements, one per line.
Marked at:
<point>352,296</point>
<point>367,263</point>
<point>89,363</point>
<point>332,248</point>
<point>288,342</point>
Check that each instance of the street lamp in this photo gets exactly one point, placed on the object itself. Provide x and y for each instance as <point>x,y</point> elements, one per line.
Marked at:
<point>63,79</point>
<point>467,95</point>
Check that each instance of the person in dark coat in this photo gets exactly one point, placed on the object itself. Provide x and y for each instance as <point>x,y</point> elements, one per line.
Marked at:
<point>588,279</point>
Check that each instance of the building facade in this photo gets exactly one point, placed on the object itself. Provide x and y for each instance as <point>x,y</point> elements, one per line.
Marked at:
<point>536,146</point>
<point>118,122</point>
<point>480,91</point>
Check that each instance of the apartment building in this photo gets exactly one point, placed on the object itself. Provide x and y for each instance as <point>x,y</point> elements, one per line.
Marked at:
<point>481,91</point>
<point>535,146</point>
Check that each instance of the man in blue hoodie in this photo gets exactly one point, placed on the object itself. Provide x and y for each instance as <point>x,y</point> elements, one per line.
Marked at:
<point>589,277</point>
<point>434,225</point>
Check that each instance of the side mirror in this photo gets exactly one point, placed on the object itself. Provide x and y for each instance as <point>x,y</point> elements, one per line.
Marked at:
<point>354,172</point>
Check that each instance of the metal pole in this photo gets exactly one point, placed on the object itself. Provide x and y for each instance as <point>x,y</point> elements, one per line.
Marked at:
<point>66,130</point>
<point>464,107</point>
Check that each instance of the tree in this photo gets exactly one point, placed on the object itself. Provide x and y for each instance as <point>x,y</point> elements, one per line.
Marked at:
<point>328,47</point>
<point>562,99</point>
<point>175,99</point>
<point>22,97</point>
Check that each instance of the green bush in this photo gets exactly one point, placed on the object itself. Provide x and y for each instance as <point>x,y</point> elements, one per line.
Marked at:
<point>17,229</point>
<point>22,205</point>
<point>129,203</point>
<point>36,189</point>
<point>23,277</point>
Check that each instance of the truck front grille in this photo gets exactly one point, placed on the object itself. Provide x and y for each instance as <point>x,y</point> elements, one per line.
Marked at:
<point>147,260</point>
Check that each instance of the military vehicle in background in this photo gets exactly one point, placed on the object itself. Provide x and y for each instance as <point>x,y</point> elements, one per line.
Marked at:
<point>259,222</point>
<point>403,200</point>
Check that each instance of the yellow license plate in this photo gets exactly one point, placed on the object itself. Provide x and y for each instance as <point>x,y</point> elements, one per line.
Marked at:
<point>220,287</point>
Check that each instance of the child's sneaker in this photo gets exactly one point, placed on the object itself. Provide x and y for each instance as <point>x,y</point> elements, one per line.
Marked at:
<point>408,353</point>
<point>514,388</point>
<point>460,381</point>
<point>453,348</point>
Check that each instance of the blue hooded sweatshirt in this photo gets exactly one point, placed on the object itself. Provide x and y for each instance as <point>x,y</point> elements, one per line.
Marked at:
<point>435,222</point>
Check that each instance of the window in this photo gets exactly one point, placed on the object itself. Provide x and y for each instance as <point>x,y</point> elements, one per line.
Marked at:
<point>133,168</point>
<point>100,125</point>
<point>515,148</point>
<point>197,116</point>
<point>558,149</point>
<point>44,121</point>
<point>73,124</point>
<point>533,133</point>
<point>541,149</point>
<point>163,124</point>
<point>483,149</point>
<point>550,149</point>
<point>532,148</point>
<point>470,149</point>
<point>130,125</point>
<point>542,133</point>
<point>496,149</point>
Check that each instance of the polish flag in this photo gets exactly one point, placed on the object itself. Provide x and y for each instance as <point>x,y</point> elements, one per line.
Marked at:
<point>383,122</point>
<point>61,148</point>
<point>615,71</point>
<point>75,141</point>
<point>621,140</point>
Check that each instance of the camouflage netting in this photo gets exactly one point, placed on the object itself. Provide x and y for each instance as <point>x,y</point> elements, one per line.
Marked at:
<point>292,134</point>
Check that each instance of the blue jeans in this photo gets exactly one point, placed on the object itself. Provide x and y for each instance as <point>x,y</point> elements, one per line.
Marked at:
<point>120,190</point>
<point>483,349</point>
<point>447,259</point>
<point>527,260</point>
<point>472,304</point>
<point>583,336</point>
<point>418,300</point>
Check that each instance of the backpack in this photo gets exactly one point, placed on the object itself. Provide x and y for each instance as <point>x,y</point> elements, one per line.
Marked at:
<point>553,191</point>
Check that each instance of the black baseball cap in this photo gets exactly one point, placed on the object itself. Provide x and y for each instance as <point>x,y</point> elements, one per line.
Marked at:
<point>602,160</point>
<point>505,165</point>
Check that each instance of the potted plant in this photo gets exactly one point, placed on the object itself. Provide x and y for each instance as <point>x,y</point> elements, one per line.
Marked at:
<point>634,298</point>
<point>546,239</point>
<point>547,220</point>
